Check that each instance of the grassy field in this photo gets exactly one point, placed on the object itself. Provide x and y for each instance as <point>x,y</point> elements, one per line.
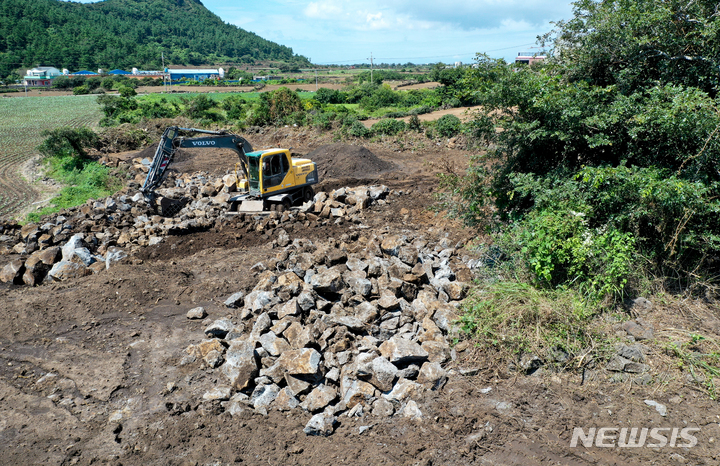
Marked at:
<point>23,120</point>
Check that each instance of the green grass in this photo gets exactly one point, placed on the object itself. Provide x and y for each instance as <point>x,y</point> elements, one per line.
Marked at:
<point>83,180</point>
<point>515,318</point>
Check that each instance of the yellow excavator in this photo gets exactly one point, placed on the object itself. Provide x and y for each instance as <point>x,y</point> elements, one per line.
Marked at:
<point>269,179</point>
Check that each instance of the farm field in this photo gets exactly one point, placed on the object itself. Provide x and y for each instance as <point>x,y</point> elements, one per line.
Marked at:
<point>23,121</point>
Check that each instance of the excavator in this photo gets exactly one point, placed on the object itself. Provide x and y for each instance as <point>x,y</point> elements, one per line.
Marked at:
<point>269,179</point>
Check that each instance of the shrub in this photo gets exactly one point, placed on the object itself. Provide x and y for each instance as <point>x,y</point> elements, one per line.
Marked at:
<point>388,127</point>
<point>329,96</point>
<point>414,123</point>
<point>358,130</point>
<point>126,91</point>
<point>81,90</point>
<point>448,125</point>
<point>64,142</point>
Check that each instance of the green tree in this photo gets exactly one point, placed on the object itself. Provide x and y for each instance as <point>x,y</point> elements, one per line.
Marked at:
<point>67,141</point>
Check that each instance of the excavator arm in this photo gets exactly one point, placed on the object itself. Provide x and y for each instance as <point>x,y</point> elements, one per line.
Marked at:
<point>170,142</point>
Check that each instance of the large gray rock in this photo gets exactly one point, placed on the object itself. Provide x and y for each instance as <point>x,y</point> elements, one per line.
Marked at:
<point>241,364</point>
<point>319,398</point>
<point>219,328</point>
<point>113,256</point>
<point>400,351</point>
<point>65,270</point>
<point>235,300</point>
<point>328,281</point>
<point>75,242</point>
<point>263,395</point>
<point>402,390</point>
<point>380,372</point>
<point>320,424</point>
<point>274,345</point>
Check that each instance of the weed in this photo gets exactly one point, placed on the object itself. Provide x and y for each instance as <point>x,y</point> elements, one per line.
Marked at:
<point>516,318</point>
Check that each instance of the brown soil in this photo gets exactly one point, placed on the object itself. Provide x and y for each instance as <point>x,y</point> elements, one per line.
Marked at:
<point>343,160</point>
<point>114,340</point>
<point>464,113</point>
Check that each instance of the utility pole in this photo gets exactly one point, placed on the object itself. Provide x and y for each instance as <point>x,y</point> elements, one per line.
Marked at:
<point>162,54</point>
<point>316,88</point>
<point>371,68</point>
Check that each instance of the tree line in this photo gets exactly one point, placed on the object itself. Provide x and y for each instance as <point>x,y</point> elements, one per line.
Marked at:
<point>124,34</point>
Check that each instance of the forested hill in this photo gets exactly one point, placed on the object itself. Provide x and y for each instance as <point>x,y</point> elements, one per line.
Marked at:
<point>124,33</point>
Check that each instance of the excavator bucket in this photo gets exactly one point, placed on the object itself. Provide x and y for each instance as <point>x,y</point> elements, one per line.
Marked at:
<point>170,207</point>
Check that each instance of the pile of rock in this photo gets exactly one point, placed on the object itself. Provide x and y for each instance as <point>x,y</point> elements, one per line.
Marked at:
<point>349,327</point>
<point>121,224</point>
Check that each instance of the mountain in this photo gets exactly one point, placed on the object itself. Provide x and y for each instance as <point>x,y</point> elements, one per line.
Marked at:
<point>123,34</point>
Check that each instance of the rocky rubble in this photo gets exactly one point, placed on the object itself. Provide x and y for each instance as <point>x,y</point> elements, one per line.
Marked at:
<point>90,238</point>
<point>353,327</point>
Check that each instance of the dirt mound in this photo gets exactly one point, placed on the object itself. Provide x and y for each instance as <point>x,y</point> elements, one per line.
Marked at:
<point>346,161</point>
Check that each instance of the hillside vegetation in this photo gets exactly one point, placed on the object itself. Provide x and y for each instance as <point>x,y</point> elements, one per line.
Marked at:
<point>125,33</point>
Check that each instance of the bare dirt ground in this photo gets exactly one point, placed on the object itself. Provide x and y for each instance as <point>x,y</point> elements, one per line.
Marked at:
<point>464,113</point>
<point>86,367</point>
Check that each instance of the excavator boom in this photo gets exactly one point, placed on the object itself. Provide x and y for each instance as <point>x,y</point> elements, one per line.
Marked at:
<point>170,142</point>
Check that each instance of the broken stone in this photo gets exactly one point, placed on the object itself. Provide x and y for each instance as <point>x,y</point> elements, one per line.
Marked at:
<point>220,393</point>
<point>264,395</point>
<point>329,281</point>
<point>285,400</point>
<point>13,272</point>
<point>382,408</point>
<point>219,328</point>
<point>274,345</point>
<point>400,351</point>
<point>380,372</point>
<point>319,398</point>
<point>304,361</point>
<point>235,300</point>
<point>321,425</point>
<point>241,365</point>
<point>196,313</point>
<point>412,411</point>
<point>65,270</point>
<point>639,329</point>
<point>402,390</point>
<point>432,374</point>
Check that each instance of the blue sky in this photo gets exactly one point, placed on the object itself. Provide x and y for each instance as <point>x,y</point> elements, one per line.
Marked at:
<point>396,31</point>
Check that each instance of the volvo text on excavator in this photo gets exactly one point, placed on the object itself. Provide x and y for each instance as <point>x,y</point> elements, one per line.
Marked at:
<point>269,179</point>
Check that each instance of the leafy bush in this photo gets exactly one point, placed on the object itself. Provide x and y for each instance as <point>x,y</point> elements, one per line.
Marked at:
<point>81,90</point>
<point>358,130</point>
<point>329,96</point>
<point>560,249</point>
<point>67,142</point>
<point>448,125</point>
<point>414,123</point>
<point>388,127</point>
<point>126,92</point>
